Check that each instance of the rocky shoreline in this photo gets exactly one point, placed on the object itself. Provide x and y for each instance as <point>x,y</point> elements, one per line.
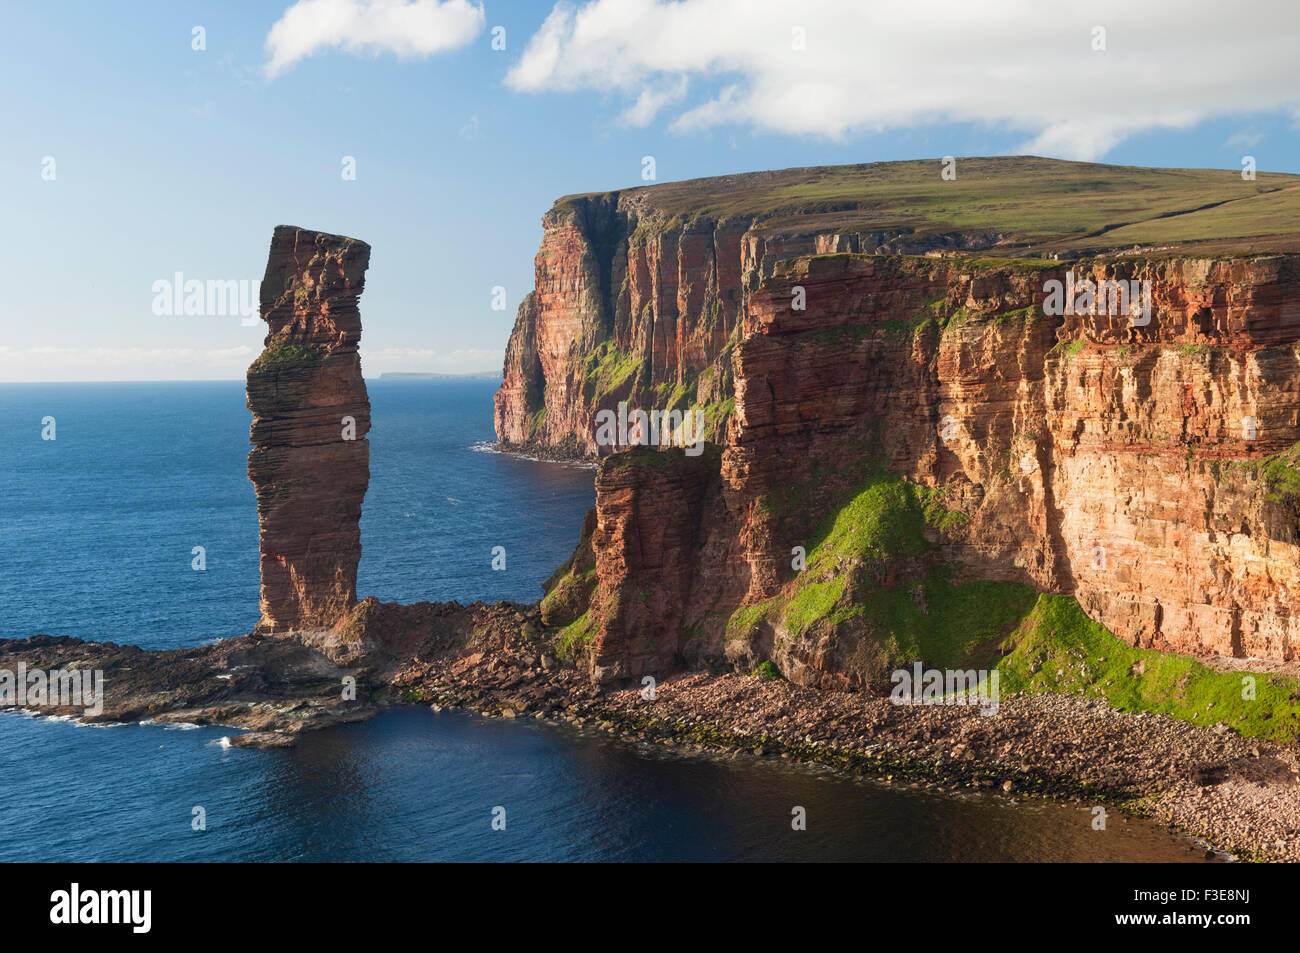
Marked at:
<point>273,687</point>
<point>1239,795</point>
<point>546,454</point>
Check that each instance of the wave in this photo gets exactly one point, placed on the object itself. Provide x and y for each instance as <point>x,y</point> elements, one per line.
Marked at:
<point>488,446</point>
<point>77,720</point>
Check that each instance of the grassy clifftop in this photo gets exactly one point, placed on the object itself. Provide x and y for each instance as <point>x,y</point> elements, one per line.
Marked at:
<point>1028,205</point>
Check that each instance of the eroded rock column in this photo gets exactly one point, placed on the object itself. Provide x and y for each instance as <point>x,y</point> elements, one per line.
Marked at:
<point>310,462</point>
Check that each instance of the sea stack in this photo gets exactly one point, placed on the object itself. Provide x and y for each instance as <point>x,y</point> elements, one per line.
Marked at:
<point>310,462</point>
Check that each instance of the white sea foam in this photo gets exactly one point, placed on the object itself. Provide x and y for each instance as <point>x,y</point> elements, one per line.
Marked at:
<point>486,446</point>
<point>76,720</point>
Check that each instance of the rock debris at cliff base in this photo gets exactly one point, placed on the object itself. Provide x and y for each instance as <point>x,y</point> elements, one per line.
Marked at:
<point>1239,794</point>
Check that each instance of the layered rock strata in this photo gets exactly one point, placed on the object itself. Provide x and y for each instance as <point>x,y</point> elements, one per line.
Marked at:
<point>310,462</point>
<point>639,294</point>
<point>1145,468</point>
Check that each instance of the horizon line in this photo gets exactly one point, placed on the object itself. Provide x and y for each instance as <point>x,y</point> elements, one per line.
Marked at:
<point>427,375</point>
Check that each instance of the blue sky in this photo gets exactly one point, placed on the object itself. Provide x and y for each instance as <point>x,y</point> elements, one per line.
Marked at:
<point>169,159</point>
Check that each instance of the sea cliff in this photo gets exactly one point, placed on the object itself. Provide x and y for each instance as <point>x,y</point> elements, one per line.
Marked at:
<point>906,433</point>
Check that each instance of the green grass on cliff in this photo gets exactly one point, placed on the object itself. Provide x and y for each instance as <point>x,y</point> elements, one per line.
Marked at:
<point>572,589</point>
<point>281,356</point>
<point>714,417</point>
<point>886,521</point>
<point>1059,649</point>
<point>608,369</point>
<point>1038,642</point>
<point>812,602</point>
<point>1280,472</point>
<point>742,622</point>
<point>1033,204</point>
<point>535,421</point>
<point>960,625</point>
<point>926,618</point>
<point>669,396</point>
<point>577,635</point>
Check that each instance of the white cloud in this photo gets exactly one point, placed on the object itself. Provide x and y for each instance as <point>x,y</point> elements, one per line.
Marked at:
<point>409,29</point>
<point>870,66</point>
<point>642,112</point>
<point>1245,139</point>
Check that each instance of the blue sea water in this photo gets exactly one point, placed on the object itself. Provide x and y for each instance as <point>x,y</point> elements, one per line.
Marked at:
<point>97,531</point>
<point>101,523</point>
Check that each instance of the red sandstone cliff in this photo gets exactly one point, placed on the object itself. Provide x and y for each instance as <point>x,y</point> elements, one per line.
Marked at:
<point>639,295</point>
<point>310,458</point>
<point>1146,469</point>
<point>1136,468</point>
<point>635,301</point>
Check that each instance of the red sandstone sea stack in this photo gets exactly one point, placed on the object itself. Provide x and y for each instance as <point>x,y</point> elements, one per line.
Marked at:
<point>310,461</point>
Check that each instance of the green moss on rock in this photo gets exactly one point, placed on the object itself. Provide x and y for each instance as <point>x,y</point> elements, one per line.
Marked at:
<point>745,619</point>
<point>282,356</point>
<point>608,370</point>
<point>1059,649</point>
<point>576,636</point>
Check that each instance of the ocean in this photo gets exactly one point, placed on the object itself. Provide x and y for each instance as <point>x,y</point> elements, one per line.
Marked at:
<point>98,530</point>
